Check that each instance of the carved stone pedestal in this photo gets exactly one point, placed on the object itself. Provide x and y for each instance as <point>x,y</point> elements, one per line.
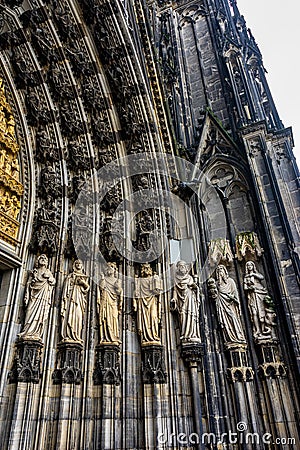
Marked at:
<point>153,364</point>
<point>69,363</point>
<point>271,365</point>
<point>240,374</point>
<point>192,352</point>
<point>107,368</point>
<point>239,370</point>
<point>26,367</point>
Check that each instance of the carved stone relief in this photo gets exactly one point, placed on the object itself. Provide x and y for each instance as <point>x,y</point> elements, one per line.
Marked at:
<point>37,111</point>
<point>45,150</point>
<point>11,190</point>
<point>45,229</point>
<point>144,229</point>
<point>50,185</point>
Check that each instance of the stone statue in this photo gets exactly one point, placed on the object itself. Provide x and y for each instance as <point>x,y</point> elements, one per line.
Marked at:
<point>37,300</point>
<point>259,303</point>
<point>228,307</point>
<point>10,126</point>
<point>187,302</point>
<point>147,305</point>
<point>2,120</point>
<point>110,303</point>
<point>15,169</point>
<point>73,303</point>
<point>13,206</point>
<point>2,157</point>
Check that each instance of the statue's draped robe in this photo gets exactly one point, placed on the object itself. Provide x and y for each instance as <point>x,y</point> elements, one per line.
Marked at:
<point>147,308</point>
<point>39,291</point>
<point>256,294</point>
<point>229,312</point>
<point>108,299</point>
<point>187,303</point>
<point>73,306</point>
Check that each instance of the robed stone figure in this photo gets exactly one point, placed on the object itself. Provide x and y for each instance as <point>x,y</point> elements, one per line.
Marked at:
<point>73,304</point>
<point>110,301</point>
<point>260,304</point>
<point>37,300</point>
<point>147,305</point>
<point>186,301</point>
<point>225,293</point>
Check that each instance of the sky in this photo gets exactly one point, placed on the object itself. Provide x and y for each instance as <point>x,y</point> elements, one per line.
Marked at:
<point>275,26</point>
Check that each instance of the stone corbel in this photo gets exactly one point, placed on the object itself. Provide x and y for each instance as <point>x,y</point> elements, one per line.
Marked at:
<point>272,370</point>
<point>240,374</point>
<point>192,353</point>
<point>240,369</point>
<point>26,366</point>
<point>69,369</point>
<point>107,368</point>
<point>153,364</point>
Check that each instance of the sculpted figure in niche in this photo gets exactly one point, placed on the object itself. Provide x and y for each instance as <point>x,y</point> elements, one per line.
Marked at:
<point>15,169</point>
<point>259,303</point>
<point>2,158</point>
<point>13,207</point>
<point>228,308</point>
<point>2,120</point>
<point>37,300</point>
<point>10,128</point>
<point>74,303</point>
<point>110,303</point>
<point>147,305</point>
<point>186,301</point>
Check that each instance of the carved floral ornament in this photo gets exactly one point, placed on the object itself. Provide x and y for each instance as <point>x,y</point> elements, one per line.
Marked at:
<point>11,190</point>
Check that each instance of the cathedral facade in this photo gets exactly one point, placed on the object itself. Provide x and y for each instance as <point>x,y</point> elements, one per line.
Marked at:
<point>149,231</point>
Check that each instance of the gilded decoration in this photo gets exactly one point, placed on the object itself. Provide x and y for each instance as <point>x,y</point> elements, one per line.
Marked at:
<point>11,190</point>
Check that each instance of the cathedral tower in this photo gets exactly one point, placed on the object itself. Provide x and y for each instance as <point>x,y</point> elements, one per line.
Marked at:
<point>149,231</point>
